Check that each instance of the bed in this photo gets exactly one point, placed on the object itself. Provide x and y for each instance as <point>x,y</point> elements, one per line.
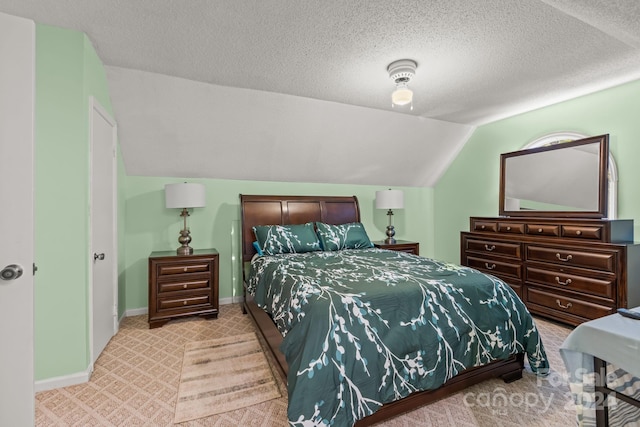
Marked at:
<point>360,380</point>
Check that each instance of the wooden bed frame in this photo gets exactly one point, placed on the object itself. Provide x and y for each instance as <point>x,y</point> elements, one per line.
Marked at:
<point>269,210</point>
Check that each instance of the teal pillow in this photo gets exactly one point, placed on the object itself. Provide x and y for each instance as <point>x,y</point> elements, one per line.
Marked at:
<point>343,236</point>
<point>283,239</point>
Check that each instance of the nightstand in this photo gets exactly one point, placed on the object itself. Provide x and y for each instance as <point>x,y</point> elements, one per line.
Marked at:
<point>182,285</point>
<point>400,245</point>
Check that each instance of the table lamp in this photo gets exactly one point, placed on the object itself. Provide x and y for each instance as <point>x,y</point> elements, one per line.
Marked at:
<point>390,199</point>
<point>184,196</point>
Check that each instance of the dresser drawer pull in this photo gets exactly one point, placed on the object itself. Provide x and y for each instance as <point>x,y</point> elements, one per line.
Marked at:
<point>508,228</point>
<point>568,258</point>
<point>185,269</point>
<point>568,282</point>
<point>482,227</point>
<point>184,303</point>
<point>184,286</point>
<point>563,306</point>
<point>578,232</point>
<point>539,230</point>
<point>489,248</point>
<point>489,267</point>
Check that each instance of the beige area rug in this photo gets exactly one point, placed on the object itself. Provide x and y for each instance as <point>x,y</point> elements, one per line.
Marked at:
<point>222,375</point>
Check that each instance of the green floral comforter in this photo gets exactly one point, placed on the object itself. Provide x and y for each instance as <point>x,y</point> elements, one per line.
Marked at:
<point>364,327</point>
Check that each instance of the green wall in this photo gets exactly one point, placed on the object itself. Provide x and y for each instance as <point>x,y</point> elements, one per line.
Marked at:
<point>470,185</point>
<point>151,227</point>
<point>68,71</point>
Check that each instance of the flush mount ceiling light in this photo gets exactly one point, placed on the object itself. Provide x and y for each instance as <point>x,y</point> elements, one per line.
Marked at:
<point>401,72</point>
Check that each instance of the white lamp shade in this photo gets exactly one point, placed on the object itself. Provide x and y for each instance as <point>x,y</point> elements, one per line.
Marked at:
<point>402,96</point>
<point>389,199</point>
<point>184,195</point>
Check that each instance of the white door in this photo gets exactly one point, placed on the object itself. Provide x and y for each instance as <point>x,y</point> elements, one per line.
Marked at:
<point>104,288</point>
<point>17,71</point>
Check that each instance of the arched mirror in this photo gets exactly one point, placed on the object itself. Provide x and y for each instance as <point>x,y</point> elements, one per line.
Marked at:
<point>612,170</point>
<point>559,175</point>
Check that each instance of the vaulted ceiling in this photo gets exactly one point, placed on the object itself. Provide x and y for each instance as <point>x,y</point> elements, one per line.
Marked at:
<point>290,90</point>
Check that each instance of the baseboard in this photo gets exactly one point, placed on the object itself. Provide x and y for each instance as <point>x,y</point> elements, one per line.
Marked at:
<point>231,300</point>
<point>136,312</point>
<point>83,377</point>
<point>63,381</point>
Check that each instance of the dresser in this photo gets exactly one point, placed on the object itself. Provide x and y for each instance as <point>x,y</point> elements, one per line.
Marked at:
<point>569,270</point>
<point>399,245</point>
<point>182,285</point>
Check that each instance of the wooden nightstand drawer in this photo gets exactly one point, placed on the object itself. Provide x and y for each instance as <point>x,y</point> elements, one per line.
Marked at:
<point>184,267</point>
<point>400,246</point>
<point>182,285</point>
<point>184,302</point>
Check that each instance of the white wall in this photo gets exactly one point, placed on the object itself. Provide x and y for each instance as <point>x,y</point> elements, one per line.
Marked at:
<point>170,126</point>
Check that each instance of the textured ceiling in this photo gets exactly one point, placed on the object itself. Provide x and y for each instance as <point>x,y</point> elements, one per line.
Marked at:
<point>478,61</point>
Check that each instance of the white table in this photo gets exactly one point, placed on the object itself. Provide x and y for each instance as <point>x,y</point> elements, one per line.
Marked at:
<point>612,339</point>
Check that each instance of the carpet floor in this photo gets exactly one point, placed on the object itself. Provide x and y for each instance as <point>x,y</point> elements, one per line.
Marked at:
<point>136,379</point>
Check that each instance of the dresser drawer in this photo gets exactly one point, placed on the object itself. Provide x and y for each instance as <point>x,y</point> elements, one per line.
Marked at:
<point>582,232</point>
<point>513,250</point>
<point>494,266</point>
<point>511,227</point>
<point>182,285</point>
<point>602,287</point>
<point>543,229</point>
<point>605,261</point>
<point>186,301</point>
<point>485,226</point>
<point>556,302</point>
<point>168,269</point>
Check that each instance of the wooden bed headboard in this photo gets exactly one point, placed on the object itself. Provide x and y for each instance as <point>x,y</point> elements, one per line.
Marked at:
<point>283,210</point>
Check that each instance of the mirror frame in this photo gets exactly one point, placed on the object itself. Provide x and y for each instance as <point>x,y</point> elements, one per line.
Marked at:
<point>603,160</point>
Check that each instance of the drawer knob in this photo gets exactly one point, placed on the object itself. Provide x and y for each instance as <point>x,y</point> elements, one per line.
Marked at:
<point>184,303</point>
<point>563,306</point>
<point>489,248</point>
<point>508,228</point>
<point>489,267</point>
<point>482,227</point>
<point>567,282</point>
<point>184,286</point>
<point>578,232</point>
<point>185,269</point>
<point>539,230</point>
<point>568,258</point>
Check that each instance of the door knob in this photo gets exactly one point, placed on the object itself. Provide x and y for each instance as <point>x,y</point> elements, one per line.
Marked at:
<point>11,272</point>
<point>98,256</point>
